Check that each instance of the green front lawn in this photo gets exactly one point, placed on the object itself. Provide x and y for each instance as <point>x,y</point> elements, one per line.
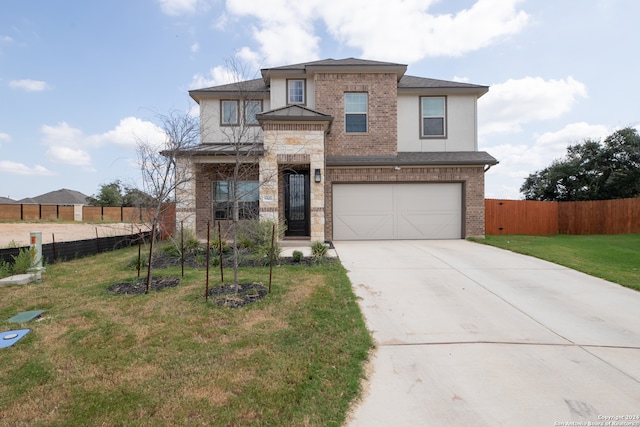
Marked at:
<point>168,358</point>
<point>612,257</point>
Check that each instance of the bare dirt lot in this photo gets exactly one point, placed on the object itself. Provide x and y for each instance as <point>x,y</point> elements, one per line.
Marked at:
<point>18,232</point>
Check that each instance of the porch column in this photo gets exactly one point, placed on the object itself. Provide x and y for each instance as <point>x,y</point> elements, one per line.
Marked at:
<point>269,180</point>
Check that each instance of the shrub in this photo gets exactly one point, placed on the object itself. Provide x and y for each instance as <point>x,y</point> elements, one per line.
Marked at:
<point>319,250</point>
<point>297,256</point>
<point>258,233</point>
<point>5,269</point>
<point>175,242</point>
<point>22,261</point>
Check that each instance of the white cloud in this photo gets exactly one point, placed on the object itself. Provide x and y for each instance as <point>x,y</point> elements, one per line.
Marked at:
<point>572,134</point>
<point>517,161</point>
<point>71,146</point>
<point>402,31</point>
<point>6,39</point>
<point>510,104</point>
<point>15,168</point>
<point>5,137</point>
<point>128,133</point>
<point>178,7</point>
<point>29,85</point>
<point>195,47</point>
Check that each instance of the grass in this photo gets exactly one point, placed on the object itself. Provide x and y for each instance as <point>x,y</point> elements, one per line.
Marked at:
<point>294,358</point>
<point>612,257</point>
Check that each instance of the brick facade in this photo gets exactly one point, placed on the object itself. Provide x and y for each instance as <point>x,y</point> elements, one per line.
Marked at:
<point>472,179</point>
<point>206,173</point>
<point>382,120</point>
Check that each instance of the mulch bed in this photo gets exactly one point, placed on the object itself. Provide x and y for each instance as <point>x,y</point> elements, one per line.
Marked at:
<point>237,296</point>
<point>165,260</point>
<point>139,287</point>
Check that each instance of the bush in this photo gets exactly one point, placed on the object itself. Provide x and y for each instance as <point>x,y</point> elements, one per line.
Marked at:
<point>21,262</point>
<point>319,250</point>
<point>253,234</point>
<point>297,256</point>
<point>175,242</point>
<point>5,269</point>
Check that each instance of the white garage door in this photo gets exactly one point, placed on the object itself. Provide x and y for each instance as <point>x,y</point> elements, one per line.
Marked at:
<point>397,211</point>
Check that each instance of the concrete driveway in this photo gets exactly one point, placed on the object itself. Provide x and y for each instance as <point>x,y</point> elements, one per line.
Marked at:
<point>469,335</point>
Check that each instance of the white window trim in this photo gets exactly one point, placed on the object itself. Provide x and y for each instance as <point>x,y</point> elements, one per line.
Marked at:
<point>444,117</point>
<point>304,92</point>
<point>366,113</point>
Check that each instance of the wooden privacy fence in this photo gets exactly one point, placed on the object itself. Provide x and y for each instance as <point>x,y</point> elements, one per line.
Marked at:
<point>31,212</point>
<point>530,217</point>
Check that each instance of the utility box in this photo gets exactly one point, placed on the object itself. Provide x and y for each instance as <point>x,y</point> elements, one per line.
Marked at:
<point>35,248</point>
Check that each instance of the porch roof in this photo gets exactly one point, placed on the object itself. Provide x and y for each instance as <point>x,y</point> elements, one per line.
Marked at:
<point>295,113</point>
<point>224,149</point>
<point>448,158</point>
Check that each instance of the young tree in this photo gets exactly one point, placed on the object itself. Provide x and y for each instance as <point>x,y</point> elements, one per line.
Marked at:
<point>160,176</point>
<point>246,147</point>
<point>591,171</point>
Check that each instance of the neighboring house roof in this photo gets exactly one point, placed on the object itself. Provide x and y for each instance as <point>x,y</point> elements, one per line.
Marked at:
<point>6,201</point>
<point>58,197</point>
<point>464,158</point>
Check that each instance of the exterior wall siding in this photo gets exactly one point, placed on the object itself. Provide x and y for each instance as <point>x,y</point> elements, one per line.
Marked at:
<point>471,177</point>
<point>382,120</point>
<point>461,125</point>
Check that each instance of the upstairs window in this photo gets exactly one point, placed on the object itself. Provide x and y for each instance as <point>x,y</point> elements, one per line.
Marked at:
<point>248,195</point>
<point>295,92</point>
<point>434,120</point>
<point>229,113</point>
<point>355,109</point>
<point>251,108</point>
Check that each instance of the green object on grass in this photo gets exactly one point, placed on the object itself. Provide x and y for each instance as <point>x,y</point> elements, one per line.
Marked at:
<point>26,316</point>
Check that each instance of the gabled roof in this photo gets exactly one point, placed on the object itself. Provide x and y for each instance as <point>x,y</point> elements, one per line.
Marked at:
<point>58,197</point>
<point>462,158</point>
<point>329,64</point>
<point>296,113</point>
<point>6,201</point>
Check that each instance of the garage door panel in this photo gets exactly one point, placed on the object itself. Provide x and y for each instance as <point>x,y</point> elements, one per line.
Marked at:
<point>425,225</point>
<point>397,211</point>
<point>364,226</point>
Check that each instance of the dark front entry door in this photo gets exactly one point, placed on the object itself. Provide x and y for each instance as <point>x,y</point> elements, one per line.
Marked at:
<point>296,203</point>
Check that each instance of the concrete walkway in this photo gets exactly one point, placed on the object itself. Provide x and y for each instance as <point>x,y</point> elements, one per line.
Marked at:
<point>468,335</point>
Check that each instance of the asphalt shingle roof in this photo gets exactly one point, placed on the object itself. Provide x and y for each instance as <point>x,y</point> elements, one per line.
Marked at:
<point>462,158</point>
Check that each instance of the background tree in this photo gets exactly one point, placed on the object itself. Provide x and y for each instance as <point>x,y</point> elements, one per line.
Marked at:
<point>591,171</point>
<point>108,195</point>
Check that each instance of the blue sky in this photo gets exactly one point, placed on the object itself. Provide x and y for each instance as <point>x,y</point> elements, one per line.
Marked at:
<point>81,82</point>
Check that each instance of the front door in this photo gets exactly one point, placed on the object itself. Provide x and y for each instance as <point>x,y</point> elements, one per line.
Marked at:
<point>296,203</point>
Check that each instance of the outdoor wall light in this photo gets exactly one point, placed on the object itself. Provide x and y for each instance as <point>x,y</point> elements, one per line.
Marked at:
<point>317,175</point>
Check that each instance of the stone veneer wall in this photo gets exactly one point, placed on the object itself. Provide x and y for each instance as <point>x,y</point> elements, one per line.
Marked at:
<point>297,145</point>
<point>471,177</point>
<point>382,90</point>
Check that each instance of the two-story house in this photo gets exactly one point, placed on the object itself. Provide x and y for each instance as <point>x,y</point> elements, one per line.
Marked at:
<point>340,150</point>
